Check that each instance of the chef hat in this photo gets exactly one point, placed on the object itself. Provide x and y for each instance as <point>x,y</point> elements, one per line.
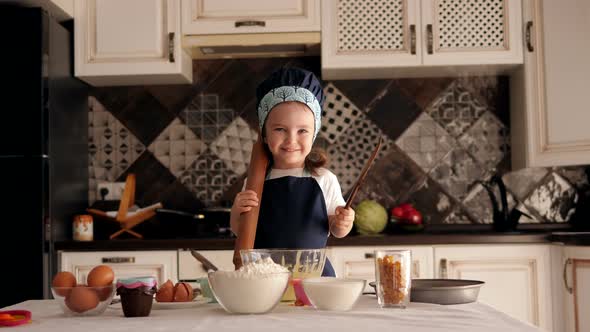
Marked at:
<point>290,84</point>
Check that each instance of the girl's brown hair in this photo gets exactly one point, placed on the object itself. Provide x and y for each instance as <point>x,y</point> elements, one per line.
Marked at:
<point>316,159</point>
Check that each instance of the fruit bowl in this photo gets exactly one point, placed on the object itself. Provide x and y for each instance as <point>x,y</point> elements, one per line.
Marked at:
<point>83,300</point>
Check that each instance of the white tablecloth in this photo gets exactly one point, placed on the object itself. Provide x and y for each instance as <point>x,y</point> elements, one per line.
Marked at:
<point>366,317</point>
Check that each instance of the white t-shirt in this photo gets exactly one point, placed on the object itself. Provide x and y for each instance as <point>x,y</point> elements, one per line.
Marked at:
<point>325,179</point>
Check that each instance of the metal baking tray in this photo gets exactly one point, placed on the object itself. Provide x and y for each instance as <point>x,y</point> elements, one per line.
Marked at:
<point>444,291</point>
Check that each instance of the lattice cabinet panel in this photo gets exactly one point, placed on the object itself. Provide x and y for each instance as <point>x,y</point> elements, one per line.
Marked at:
<point>469,31</point>
<point>470,25</point>
<point>375,25</point>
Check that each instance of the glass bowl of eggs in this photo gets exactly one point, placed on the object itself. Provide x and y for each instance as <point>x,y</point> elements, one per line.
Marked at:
<point>89,299</point>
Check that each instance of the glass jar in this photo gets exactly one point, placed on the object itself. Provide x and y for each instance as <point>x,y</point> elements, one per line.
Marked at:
<point>393,277</point>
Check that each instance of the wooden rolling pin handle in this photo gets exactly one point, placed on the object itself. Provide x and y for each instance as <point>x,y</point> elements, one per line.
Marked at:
<point>249,220</point>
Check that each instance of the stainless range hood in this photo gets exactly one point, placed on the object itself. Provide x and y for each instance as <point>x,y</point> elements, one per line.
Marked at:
<point>255,45</point>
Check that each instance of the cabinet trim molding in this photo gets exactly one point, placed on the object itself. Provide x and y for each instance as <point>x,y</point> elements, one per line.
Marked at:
<point>578,263</point>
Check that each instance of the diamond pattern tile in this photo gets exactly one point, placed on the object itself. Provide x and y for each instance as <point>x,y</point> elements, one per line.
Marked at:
<point>444,134</point>
<point>487,140</point>
<point>177,147</point>
<point>338,114</point>
<point>457,217</point>
<point>523,181</point>
<point>204,117</point>
<point>479,204</point>
<point>352,151</point>
<point>431,201</point>
<point>208,178</point>
<point>456,109</point>
<point>426,142</point>
<point>112,148</point>
<point>554,199</point>
<point>234,145</point>
<point>390,180</point>
<point>456,173</point>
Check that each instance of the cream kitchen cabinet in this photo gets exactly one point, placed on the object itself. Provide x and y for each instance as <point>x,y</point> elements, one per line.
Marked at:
<point>402,38</point>
<point>359,262</point>
<point>129,42</point>
<point>549,117</point>
<point>517,277</point>
<point>212,17</point>
<point>190,269</point>
<point>160,264</point>
<point>575,288</point>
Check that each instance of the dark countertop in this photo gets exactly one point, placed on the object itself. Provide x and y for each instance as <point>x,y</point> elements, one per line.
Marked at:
<point>356,240</point>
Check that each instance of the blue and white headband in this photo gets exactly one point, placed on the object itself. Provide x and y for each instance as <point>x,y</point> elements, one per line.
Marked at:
<point>290,93</point>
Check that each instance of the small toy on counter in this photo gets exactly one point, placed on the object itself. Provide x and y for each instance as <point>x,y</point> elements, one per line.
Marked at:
<point>137,295</point>
<point>406,218</point>
<point>15,317</point>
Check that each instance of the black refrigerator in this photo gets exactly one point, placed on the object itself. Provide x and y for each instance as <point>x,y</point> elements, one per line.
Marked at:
<point>43,149</point>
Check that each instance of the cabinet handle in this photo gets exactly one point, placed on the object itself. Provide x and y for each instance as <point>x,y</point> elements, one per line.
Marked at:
<point>412,39</point>
<point>250,23</point>
<point>443,268</point>
<point>567,287</point>
<point>171,46</point>
<point>529,44</point>
<point>116,260</point>
<point>369,255</point>
<point>429,39</point>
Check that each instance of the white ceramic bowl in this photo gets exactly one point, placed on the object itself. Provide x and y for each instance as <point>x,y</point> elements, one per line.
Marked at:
<point>336,294</point>
<point>250,294</point>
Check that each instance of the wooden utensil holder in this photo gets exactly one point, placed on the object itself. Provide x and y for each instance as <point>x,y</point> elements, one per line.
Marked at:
<point>127,220</point>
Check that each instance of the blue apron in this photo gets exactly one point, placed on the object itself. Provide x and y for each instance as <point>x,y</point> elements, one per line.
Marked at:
<point>293,215</point>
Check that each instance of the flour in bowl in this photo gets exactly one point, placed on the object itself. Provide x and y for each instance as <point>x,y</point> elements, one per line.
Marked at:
<point>263,281</point>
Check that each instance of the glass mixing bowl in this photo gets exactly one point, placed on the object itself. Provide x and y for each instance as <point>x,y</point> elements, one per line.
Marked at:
<point>302,263</point>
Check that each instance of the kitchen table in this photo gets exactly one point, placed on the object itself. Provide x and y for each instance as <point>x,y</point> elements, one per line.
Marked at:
<point>365,316</point>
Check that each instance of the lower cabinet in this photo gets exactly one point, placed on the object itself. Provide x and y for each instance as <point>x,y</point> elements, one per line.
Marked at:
<point>517,277</point>
<point>574,288</point>
<point>358,262</point>
<point>159,264</point>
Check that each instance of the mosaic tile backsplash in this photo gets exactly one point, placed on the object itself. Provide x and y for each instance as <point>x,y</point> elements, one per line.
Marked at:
<point>190,145</point>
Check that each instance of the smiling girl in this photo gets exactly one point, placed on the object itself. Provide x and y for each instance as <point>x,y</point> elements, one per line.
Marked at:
<point>302,201</point>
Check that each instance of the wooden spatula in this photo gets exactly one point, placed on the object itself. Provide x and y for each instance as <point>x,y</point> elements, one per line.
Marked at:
<point>363,175</point>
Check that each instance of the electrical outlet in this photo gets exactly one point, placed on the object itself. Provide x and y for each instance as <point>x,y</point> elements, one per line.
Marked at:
<point>110,190</point>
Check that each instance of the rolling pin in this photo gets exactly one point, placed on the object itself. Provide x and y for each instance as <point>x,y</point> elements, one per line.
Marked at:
<point>255,182</point>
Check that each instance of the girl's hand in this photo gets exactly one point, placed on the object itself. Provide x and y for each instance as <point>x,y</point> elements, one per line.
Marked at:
<point>342,221</point>
<point>244,202</point>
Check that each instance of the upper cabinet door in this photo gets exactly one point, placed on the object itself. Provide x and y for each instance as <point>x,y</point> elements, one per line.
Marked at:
<point>130,42</point>
<point>206,17</point>
<point>372,36</point>
<point>463,32</point>
<point>549,113</point>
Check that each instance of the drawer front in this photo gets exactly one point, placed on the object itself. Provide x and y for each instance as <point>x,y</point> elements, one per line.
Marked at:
<point>190,269</point>
<point>159,264</point>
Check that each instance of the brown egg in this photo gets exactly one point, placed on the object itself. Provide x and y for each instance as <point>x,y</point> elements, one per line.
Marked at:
<point>166,292</point>
<point>104,292</point>
<point>64,281</point>
<point>101,275</point>
<point>81,299</point>
<point>183,292</point>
